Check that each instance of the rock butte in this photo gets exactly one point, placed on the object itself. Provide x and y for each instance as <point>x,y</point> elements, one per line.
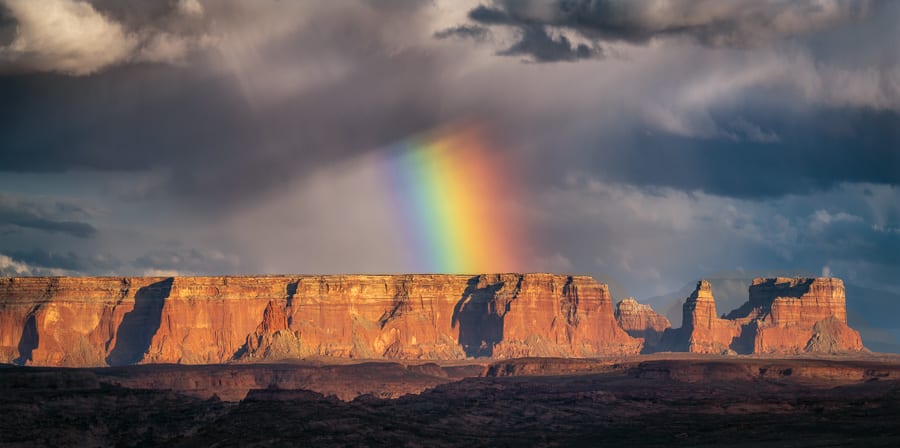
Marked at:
<point>640,321</point>
<point>782,315</point>
<point>85,321</point>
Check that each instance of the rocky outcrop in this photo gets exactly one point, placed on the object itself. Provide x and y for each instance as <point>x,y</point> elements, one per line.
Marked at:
<point>65,321</point>
<point>703,330</point>
<point>640,321</point>
<point>62,321</point>
<point>782,315</point>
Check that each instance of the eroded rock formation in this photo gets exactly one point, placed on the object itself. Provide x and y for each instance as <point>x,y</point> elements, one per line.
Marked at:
<point>640,321</point>
<point>63,321</point>
<point>782,315</point>
<point>703,330</point>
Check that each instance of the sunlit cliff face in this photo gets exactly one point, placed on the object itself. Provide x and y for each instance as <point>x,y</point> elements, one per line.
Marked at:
<point>113,321</point>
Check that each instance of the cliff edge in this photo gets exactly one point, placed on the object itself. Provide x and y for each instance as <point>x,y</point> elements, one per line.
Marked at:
<point>69,321</point>
<point>640,321</point>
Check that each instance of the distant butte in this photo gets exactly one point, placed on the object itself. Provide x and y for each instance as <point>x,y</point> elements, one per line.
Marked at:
<point>782,316</point>
<point>640,321</point>
<point>100,321</point>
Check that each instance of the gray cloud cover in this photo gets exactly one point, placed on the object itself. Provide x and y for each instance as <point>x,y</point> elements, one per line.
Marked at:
<point>656,142</point>
<point>740,23</point>
<point>46,216</point>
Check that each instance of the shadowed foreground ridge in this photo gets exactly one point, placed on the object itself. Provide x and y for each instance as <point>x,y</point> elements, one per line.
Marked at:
<point>646,400</point>
<point>99,321</point>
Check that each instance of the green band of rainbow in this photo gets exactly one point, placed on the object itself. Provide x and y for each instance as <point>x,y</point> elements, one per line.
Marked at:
<point>448,194</point>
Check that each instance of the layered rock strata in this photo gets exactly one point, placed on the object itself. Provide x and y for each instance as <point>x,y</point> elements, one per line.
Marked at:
<point>66,321</point>
<point>640,321</point>
<point>782,315</point>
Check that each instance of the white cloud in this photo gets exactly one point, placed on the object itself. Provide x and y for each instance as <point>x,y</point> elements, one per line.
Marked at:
<point>73,37</point>
<point>10,267</point>
<point>164,47</point>
<point>163,273</point>
<point>190,7</point>
<point>66,36</point>
<point>822,218</point>
<point>825,217</point>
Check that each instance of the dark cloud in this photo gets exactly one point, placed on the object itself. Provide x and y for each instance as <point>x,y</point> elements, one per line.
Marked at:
<point>7,26</point>
<point>220,128</point>
<point>813,152</point>
<point>129,118</point>
<point>840,236</point>
<point>736,23</point>
<point>68,260</point>
<point>535,42</point>
<point>74,228</point>
<point>222,137</point>
<point>43,217</point>
<point>478,33</point>
<point>491,16</point>
<point>170,15</point>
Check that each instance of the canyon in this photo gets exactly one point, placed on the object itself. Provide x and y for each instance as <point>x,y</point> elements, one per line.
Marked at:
<point>117,321</point>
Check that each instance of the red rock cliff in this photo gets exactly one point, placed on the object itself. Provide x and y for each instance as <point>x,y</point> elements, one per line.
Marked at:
<point>704,331</point>
<point>782,315</point>
<point>640,321</point>
<point>113,321</point>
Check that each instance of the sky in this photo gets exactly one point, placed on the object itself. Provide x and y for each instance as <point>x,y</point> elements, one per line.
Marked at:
<point>647,143</point>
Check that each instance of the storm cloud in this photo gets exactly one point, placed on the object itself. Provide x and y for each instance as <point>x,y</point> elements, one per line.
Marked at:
<point>740,23</point>
<point>46,216</point>
<point>351,89</point>
<point>463,31</point>
<point>654,142</point>
<point>544,48</point>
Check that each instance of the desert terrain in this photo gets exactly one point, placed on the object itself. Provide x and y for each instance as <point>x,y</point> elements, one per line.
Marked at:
<point>666,399</point>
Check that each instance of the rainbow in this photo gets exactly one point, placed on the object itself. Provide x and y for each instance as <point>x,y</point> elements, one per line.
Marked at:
<point>451,196</point>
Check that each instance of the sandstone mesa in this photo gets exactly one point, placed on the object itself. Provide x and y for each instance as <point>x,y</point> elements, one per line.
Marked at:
<point>99,321</point>
<point>782,315</point>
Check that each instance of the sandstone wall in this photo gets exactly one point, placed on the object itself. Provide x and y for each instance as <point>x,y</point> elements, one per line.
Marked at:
<point>640,321</point>
<point>64,321</point>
